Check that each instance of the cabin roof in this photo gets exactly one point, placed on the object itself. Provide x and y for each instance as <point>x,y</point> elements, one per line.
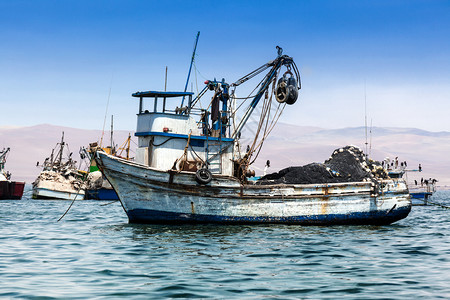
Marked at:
<point>161,94</point>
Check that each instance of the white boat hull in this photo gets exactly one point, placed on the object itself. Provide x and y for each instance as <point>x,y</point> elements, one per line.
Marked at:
<point>153,196</point>
<point>41,192</point>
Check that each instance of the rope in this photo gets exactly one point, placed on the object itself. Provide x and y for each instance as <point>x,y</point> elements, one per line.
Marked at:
<point>198,156</point>
<point>183,155</point>
<point>259,146</point>
<point>250,96</point>
<point>187,144</point>
<point>434,203</point>
<point>268,127</point>
<point>78,192</point>
<point>195,66</point>
<point>106,111</point>
<point>267,120</point>
<point>196,82</point>
<point>114,201</point>
<point>171,138</point>
<point>263,123</point>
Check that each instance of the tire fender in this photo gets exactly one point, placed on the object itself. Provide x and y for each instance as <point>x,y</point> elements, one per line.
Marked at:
<point>203,176</point>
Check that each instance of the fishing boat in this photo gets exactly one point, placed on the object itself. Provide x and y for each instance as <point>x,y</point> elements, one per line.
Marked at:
<point>190,166</point>
<point>420,193</point>
<point>59,178</point>
<point>98,187</point>
<point>9,189</point>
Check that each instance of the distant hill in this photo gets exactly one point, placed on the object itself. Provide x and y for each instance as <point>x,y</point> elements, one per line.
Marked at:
<point>30,145</point>
<point>288,145</point>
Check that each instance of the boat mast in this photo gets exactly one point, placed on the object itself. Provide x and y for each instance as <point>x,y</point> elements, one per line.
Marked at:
<point>165,81</point>
<point>128,146</point>
<point>370,139</point>
<point>112,132</point>
<point>365,117</point>
<point>61,149</point>
<point>190,67</point>
<point>51,159</point>
<point>106,112</point>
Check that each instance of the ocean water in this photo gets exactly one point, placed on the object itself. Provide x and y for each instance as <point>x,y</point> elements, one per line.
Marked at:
<point>93,253</point>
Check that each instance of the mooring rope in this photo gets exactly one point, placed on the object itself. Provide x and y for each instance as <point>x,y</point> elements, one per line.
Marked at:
<point>114,201</point>
<point>434,203</point>
<point>78,192</point>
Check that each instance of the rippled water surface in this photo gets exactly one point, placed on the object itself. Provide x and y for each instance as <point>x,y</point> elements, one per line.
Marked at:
<point>94,253</point>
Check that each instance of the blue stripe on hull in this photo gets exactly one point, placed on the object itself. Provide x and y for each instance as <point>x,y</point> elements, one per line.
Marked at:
<point>102,194</point>
<point>420,195</point>
<point>366,218</point>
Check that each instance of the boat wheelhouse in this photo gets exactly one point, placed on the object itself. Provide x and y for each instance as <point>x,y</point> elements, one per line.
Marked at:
<point>173,137</point>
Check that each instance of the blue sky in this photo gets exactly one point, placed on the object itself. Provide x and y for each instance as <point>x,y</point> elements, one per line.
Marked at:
<point>59,59</point>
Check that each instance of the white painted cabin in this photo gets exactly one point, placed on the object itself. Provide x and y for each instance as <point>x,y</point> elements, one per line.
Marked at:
<point>163,136</point>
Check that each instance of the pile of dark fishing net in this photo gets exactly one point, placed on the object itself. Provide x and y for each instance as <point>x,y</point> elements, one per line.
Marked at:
<point>348,164</point>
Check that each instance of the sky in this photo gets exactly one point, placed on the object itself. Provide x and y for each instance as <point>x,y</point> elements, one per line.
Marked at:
<point>71,63</point>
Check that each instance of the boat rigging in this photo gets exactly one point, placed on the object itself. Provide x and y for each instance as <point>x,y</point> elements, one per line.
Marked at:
<point>218,121</point>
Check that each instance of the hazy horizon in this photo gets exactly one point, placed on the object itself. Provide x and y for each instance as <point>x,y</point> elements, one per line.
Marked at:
<point>288,145</point>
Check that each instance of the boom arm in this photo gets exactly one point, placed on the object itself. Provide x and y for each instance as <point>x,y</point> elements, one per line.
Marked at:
<point>276,65</point>
<point>252,74</point>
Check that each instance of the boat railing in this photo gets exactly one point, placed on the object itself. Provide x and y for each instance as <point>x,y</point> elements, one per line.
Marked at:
<point>157,96</point>
<point>224,126</point>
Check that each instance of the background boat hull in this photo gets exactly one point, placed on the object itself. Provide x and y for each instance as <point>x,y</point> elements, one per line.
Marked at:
<point>11,190</point>
<point>42,193</point>
<point>101,194</point>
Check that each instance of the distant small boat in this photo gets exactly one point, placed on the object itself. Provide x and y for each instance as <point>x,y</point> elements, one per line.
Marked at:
<point>9,189</point>
<point>60,178</point>
<point>97,186</point>
<point>101,194</point>
<point>421,193</point>
<point>193,171</point>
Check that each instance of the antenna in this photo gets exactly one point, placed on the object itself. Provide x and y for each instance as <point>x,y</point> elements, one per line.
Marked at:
<point>165,89</point>
<point>106,111</point>
<point>365,115</point>
<point>112,133</point>
<point>62,147</point>
<point>370,134</point>
<point>165,82</point>
<point>190,67</point>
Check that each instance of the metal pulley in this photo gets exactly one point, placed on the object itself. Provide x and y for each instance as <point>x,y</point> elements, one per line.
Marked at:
<point>292,90</point>
<point>281,90</point>
<point>286,90</point>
